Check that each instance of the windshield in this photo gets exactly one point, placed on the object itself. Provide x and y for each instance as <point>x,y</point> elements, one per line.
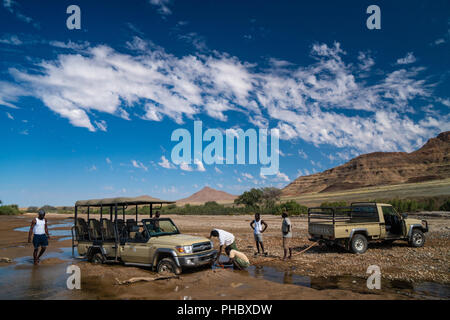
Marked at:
<point>160,227</point>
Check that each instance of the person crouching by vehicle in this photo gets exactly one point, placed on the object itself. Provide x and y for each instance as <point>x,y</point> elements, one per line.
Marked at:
<point>226,240</point>
<point>258,230</point>
<point>237,258</point>
<point>286,230</point>
<point>40,235</point>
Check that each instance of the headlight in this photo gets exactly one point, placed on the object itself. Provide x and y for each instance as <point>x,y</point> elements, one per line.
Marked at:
<point>184,249</point>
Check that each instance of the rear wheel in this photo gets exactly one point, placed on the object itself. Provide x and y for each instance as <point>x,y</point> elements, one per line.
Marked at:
<point>417,238</point>
<point>97,258</point>
<point>168,266</point>
<point>359,244</point>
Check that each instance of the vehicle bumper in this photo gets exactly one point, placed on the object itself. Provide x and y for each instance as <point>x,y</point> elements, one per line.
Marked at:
<point>198,259</point>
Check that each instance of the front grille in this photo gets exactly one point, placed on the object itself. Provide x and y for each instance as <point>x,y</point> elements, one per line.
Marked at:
<point>203,246</point>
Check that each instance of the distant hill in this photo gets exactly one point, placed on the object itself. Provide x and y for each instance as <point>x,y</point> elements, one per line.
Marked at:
<point>208,194</point>
<point>431,162</point>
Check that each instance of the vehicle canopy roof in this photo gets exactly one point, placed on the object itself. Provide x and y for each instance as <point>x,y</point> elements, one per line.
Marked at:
<point>122,201</point>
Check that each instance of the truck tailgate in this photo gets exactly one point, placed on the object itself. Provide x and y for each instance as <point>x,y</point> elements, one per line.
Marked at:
<point>321,229</point>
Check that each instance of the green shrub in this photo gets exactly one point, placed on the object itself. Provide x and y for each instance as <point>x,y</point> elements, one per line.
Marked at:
<point>9,210</point>
<point>445,206</point>
<point>292,207</point>
<point>333,204</point>
<point>47,208</point>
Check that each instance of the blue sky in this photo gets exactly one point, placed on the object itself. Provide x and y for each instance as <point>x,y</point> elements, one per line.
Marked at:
<point>89,113</point>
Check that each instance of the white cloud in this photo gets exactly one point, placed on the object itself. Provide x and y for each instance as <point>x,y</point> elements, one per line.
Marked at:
<point>302,154</point>
<point>185,167</point>
<point>282,176</point>
<point>306,102</point>
<point>162,6</point>
<point>218,170</point>
<point>108,161</point>
<point>247,175</point>
<point>409,58</point>
<point>165,163</point>
<point>139,165</point>
<point>9,116</point>
<point>197,41</point>
<point>439,41</point>
<point>101,125</point>
<point>200,166</point>
<point>12,7</point>
<point>366,62</point>
<point>11,40</point>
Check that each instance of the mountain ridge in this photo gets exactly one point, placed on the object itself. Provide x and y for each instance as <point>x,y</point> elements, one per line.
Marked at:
<point>208,194</point>
<point>430,162</point>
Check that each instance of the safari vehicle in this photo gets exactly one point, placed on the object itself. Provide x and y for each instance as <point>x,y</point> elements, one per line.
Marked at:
<point>152,242</point>
<point>353,227</point>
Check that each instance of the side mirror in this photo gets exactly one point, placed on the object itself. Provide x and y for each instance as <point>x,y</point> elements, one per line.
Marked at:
<point>404,215</point>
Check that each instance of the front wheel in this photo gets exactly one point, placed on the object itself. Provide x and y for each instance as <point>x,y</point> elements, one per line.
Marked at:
<point>417,238</point>
<point>359,244</point>
<point>168,266</point>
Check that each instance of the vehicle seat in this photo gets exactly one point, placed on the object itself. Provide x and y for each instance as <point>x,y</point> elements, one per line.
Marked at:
<point>130,224</point>
<point>134,230</point>
<point>95,229</point>
<point>81,229</point>
<point>108,230</point>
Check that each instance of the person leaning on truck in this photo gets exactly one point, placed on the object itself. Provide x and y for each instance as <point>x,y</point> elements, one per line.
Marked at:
<point>286,230</point>
<point>226,240</point>
<point>40,234</point>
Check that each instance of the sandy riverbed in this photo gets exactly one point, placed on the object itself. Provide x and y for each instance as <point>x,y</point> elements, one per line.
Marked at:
<point>407,272</point>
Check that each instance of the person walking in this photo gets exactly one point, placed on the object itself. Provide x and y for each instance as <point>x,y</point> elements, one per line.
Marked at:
<point>40,234</point>
<point>286,230</point>
<point>258,230</point>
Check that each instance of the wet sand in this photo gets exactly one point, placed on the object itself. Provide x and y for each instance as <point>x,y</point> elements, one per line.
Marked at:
<point>338,274</point>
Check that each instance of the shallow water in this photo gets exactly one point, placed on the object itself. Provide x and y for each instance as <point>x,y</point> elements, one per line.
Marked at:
<point>421,290</point>
<point>23,280</point>
<point>56,233</point>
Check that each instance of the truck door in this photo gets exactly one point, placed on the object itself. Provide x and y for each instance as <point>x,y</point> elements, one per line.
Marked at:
<point>135,252</point>
<point>135,249</point>
<point>381,211</point>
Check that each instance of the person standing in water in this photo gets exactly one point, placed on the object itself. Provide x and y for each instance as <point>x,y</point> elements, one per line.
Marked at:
<point>286,230</point>
<point>257,226</point>
<point>40,234</point>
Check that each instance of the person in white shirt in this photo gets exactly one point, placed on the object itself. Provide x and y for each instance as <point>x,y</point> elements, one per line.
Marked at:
<point>257,226</point>
<point>40,234</point>
<point>286,230</point>
<point>226,240</point>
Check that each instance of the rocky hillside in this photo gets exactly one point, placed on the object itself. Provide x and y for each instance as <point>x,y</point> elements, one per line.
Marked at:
<point>208,194</point>
<point>430,162</point>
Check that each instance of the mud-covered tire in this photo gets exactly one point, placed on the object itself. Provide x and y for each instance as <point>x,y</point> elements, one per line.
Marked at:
<point>417,238</point>
<point>359,244</point>
<point>97,258</point>
<point>168,266</point>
